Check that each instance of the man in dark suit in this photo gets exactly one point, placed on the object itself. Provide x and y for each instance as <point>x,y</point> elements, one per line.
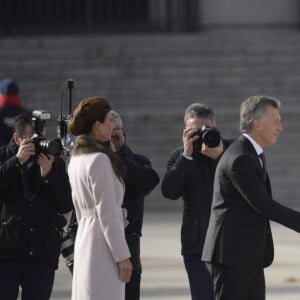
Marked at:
<point>190,175</point>
<point>239,241</point>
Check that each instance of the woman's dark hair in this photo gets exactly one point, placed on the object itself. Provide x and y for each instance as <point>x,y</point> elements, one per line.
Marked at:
<point>87,112</point>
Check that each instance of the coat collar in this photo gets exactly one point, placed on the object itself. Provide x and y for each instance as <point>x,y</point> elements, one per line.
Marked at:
<point>248,145</point>
<point>85,144</point>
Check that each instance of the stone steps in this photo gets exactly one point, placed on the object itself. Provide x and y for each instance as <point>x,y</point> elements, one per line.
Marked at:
<point>150,79</point>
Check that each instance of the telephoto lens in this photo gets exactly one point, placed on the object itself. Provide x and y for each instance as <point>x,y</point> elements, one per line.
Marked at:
<point>42,145</point>
<point>67,249</point>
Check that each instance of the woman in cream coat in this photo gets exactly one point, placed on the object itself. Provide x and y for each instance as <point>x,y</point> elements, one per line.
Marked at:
<point>101,256</point>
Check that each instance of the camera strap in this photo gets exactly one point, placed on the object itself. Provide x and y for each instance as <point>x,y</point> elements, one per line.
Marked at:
<point>30,188</point>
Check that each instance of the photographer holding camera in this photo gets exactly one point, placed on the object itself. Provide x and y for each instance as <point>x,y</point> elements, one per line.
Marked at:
<point>190,175</point>
<point>35,191</point>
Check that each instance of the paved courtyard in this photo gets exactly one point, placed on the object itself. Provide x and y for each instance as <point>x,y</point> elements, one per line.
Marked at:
<point>164,277</point>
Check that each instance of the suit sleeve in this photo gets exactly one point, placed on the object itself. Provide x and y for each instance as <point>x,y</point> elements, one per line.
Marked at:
<point>247,178</point>
<point>139,175</point>
<point>108,211</point>
<point>177,173</point>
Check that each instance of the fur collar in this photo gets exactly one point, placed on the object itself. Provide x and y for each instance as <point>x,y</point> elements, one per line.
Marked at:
<point>85,144</point>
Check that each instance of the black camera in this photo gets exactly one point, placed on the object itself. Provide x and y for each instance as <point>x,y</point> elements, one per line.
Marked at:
<point>63,134</point>
<point>208,135</point>
<point>42,145</point>
<point>68,241</point>
<point>67,248</point>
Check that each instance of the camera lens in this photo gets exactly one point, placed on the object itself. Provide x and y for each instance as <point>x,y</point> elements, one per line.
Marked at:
<point>211,137</point>
<point>52,147</point>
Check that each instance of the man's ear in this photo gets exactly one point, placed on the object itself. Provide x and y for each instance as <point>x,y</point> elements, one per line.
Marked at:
<point>124,134</point>
<point>256,124</point>
<point>16,139</point>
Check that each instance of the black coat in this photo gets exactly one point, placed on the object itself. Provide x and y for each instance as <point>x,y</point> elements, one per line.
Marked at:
<point>140,179</point>
<point>239,232</point>
<point>193,181</point>
<point>31,208</point>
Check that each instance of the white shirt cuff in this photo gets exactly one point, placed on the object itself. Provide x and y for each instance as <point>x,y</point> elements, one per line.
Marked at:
<point>188,157</point>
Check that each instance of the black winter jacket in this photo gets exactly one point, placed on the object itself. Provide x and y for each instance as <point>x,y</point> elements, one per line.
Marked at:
<point>31,207</point>
<point>193,181</point>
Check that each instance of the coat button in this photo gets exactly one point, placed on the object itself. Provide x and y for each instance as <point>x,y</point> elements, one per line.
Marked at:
<point>31,229</point>
<point>31,253</point>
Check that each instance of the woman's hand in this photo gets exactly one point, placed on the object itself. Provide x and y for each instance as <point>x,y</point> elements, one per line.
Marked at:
<point>125,270</point>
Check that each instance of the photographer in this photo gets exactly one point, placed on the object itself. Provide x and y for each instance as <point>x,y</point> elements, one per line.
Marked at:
<point>140,179</point>
<point>190,175</point>
<point>35,191</point>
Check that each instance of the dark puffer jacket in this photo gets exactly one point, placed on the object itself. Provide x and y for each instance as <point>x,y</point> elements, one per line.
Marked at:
<point>31,207</point>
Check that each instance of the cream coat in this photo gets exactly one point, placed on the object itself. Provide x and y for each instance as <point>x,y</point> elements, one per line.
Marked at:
<point>100,242</point>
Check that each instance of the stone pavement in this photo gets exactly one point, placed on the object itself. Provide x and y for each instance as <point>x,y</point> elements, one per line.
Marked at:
<point>164,277</point>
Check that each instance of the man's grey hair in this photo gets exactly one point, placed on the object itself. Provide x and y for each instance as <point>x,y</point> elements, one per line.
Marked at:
<point>115,115</point>
<point>199,110</point>
<point>255,108</point>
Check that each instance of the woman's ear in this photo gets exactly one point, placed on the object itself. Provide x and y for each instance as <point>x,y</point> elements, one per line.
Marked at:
<point>97,125</point>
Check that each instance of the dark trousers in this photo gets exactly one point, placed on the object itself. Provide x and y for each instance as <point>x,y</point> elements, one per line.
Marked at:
<point>35,279</point>
<point>132,288</point>
<point>237,283</point>
<point>199,278</point>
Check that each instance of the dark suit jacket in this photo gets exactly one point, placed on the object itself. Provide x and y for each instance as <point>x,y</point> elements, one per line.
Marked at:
<point>239,233</point>
<point>140,179</point>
